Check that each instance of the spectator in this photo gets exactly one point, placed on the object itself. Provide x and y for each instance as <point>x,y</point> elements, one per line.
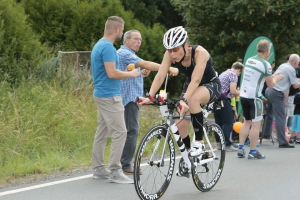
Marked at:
<point>290,107</point>
<point>257,70</point>
<point>224,115</point>
<point>276,102</point>
<point>296,126</point>
<point>107,87</point>
<point>130,89</point>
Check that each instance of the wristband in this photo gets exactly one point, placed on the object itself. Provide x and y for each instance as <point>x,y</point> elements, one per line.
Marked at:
<point>185,100</point>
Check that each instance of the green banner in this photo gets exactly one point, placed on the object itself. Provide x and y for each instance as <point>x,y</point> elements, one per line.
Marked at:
<point>252,51</point>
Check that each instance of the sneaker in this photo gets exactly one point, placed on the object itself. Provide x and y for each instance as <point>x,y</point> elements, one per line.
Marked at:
<point>117,176</point>
<point>241,153</point>
<point>197,148</point>
<point>219,146</point>
<point>234,145</point>
<point>230,148</point>
<point>101,173</point>
<point>256,155</point>
<point>130,171</point>
<point>297,141</point>
<point>292,141</point>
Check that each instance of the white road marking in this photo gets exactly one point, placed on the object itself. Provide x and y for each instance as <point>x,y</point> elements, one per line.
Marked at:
<point>44,185</point>
<point>52,183</point>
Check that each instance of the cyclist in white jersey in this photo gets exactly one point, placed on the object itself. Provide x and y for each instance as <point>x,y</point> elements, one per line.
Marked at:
<point>257,71</point>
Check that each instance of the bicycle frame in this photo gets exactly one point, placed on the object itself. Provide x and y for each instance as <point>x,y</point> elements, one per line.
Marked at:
<point>171,122</point>
<point>204,169</point>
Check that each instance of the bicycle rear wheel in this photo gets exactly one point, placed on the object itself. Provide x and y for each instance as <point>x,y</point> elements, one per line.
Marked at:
<point>205,176</point>
<point>156,175</point>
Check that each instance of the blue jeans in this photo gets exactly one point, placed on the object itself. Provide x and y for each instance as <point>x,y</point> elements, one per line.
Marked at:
<point>131,116</point>
<point>224,118</point>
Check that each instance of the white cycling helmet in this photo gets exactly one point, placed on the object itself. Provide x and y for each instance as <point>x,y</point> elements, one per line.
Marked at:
<point>175,37</point>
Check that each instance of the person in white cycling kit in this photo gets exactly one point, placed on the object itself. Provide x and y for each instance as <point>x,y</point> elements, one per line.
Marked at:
<point>201,86</point>
<point>257,71</point>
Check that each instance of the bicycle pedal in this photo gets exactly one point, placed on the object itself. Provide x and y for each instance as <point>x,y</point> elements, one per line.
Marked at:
<point>186,174</point>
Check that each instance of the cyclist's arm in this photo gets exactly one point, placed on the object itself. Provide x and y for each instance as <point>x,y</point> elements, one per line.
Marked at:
<point>152,66</point>
<point>201,57</point>
<point>161,74</point>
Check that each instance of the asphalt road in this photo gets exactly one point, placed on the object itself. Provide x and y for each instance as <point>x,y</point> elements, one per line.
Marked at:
<point>276,177</point>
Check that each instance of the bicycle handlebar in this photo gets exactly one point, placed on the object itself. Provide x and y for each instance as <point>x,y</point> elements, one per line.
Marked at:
<point>172,105</point>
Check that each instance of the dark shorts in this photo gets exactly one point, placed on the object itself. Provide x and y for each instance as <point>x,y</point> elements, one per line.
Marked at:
<point>252,109</point>
<point>214,88</point>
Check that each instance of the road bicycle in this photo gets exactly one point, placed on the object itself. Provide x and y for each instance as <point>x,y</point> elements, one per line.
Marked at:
<point>154,163</point>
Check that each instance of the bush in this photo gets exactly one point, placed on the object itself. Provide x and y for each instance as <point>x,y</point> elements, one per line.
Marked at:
<point>20,50</point>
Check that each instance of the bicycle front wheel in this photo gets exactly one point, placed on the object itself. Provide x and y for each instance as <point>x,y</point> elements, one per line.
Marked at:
<point>209,167</point>
<point>154,163</point>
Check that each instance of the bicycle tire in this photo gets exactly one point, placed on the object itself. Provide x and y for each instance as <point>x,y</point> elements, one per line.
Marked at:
<point>155,178</point>
<point>206,176</point>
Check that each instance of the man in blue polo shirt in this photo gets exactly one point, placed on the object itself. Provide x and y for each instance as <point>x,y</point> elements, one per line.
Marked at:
<point>107,95</point>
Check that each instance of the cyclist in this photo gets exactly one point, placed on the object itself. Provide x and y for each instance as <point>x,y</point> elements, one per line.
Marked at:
<point>201,85</point>
<point>257,71</point>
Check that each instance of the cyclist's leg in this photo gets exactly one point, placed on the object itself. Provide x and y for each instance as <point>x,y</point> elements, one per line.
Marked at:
<point>256,117</point>
<point>200,96</point>
<point>246,124</point>
<point>182,126</point>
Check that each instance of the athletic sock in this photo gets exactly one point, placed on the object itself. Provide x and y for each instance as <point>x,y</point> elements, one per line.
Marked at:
<point>197,121</point>
<point>187,142</point>
<point>241,146</point>
<point>253,151</point>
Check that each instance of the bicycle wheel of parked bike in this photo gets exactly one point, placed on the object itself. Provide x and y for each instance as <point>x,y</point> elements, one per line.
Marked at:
<point>152,172</point>
<point>206,176</point>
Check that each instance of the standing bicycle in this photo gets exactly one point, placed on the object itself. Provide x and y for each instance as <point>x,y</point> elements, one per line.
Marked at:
<point>155,156</point>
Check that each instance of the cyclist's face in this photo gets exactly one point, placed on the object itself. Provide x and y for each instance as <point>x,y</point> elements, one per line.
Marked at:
<point>176,53</point>
<point>134,42</point>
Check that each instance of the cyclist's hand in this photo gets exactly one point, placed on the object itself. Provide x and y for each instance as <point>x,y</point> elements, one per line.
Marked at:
<point>143,101</point>
<point>184,108</point>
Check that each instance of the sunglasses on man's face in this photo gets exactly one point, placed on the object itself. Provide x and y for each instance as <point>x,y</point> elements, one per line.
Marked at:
<point>176,49</point>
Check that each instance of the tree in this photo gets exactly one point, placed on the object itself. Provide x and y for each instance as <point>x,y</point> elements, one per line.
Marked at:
<point>20,50</point>
<point>51,19</point>
<point>154,11</point>
<point>225,28</point>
